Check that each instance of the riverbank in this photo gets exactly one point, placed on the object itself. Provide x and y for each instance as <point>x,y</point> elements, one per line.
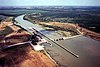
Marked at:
<point>89,33</point>
<point>22,55</point>
<point>12,34</point>
<point>78,45</point>
<point>67,26</point>
<point>62,29</point>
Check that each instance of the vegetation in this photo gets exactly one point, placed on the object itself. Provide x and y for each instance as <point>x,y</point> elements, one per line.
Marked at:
<point>87,18</point>
<point>64,27</point>
<point>2,18</point>
<point>6,31</point>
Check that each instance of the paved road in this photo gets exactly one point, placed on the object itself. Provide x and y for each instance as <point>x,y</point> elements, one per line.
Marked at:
<point>87,49</point>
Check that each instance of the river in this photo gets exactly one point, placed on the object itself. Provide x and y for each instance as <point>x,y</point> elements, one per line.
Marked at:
<point>87,48</point>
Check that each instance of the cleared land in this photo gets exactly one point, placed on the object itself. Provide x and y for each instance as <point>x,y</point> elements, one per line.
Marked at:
<point>66,27</point>
<point>23,55</point>
<point>72,28</point>
<point>11,34</point>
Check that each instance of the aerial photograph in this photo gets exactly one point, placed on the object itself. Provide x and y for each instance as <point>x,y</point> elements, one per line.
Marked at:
<point>49,33</point>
